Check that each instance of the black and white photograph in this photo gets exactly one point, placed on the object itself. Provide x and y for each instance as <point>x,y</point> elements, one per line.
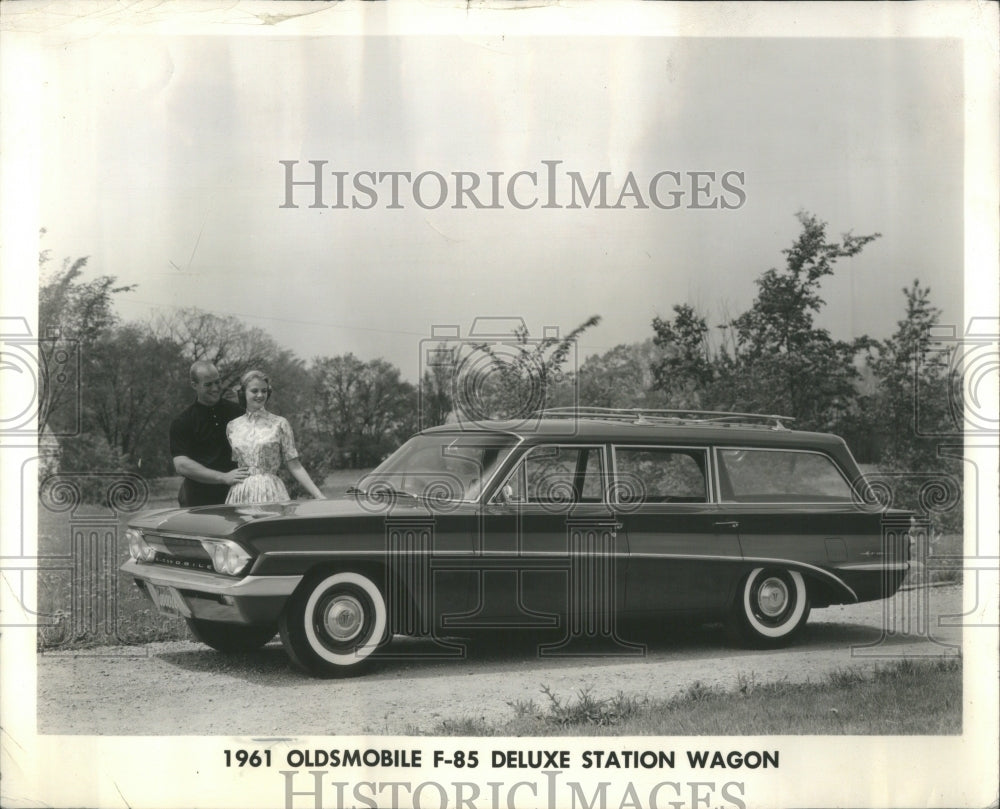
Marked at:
<point>480,405</point>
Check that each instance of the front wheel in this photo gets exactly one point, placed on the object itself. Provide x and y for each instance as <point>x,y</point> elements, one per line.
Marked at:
<point>771,608</point>
<point>228,637</point>
<point>333,623</point>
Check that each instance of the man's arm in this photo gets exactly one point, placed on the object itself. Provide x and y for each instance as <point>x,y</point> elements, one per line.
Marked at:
<point>195,471</point>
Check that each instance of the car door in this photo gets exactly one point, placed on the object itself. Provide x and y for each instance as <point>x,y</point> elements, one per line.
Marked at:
<point>683,555</point>
<point>794,505</point>
<point>550,550</point>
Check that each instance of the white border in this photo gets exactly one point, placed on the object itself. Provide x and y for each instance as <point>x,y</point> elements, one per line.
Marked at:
<point>825,771</point>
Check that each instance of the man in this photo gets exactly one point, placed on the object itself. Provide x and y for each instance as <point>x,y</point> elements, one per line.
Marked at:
<point>199,445</point>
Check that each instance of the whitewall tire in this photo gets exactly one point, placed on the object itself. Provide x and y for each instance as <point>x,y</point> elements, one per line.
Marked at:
<point>772,606</point>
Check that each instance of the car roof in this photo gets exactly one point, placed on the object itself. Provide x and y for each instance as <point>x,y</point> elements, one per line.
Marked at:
<point>583,430</point>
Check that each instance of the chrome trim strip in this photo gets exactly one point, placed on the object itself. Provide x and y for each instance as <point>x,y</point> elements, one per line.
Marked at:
<point>486,484</point>
<point>813,568</point>
<point>213,582</point>
<point>514,555</point>
<point>875,566</point>
<point>716,477</point>
<point>155,532</point>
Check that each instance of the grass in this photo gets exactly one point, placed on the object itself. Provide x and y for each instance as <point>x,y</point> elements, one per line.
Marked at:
<point>905,697</point>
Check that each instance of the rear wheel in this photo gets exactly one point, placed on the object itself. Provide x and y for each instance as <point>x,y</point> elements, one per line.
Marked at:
<point>227,637</point>
<point>771,608</point>
<point>333,623</point>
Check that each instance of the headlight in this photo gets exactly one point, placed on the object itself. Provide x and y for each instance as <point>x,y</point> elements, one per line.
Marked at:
<point>138,548</point>
<point>227,557</point>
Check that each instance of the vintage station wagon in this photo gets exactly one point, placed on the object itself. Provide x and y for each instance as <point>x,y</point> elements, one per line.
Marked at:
<point>578,521</point>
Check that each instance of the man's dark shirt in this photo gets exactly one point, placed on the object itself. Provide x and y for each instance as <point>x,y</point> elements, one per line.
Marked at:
<point>200,434</point>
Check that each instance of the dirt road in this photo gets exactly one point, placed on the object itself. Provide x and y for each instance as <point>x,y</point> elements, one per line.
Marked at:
<point>186,688</point>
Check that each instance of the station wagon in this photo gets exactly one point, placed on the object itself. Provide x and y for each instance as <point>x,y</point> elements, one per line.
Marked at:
<point>577,521</point>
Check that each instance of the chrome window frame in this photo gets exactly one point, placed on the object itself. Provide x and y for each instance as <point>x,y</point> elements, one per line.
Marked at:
<point>711,489</point>
<point>717,458</point>
<point>603,477</point>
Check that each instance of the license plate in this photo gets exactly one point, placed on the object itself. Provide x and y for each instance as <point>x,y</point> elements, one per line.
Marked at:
<point>168,601</point>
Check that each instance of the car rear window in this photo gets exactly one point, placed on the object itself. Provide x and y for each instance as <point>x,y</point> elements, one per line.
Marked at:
<point>763,475</point>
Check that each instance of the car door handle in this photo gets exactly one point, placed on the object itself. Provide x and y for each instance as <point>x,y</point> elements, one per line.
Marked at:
<point>727,524</point>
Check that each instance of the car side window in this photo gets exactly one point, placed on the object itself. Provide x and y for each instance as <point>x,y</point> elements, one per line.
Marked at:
<point>552,474</point>
<point>776,476</point>
<point>668,475</point>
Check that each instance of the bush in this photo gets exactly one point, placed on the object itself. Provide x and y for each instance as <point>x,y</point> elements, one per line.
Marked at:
<point>90,471</point>
<point>937,496</point>
<point>315,456</point>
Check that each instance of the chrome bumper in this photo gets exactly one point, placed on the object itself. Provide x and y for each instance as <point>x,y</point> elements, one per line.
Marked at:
<point>214,583</point>
<point>212,596</point>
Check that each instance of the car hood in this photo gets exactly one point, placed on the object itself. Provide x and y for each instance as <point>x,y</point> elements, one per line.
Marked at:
<point>223,521</point>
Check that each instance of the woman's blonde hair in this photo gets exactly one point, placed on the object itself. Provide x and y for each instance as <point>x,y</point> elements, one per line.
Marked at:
<point>247,378</point>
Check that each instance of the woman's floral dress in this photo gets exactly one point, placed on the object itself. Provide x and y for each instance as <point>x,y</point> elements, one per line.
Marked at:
<point>262,442</point>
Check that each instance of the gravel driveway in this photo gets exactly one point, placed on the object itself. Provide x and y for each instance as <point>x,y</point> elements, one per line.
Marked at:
<point>186,688</point>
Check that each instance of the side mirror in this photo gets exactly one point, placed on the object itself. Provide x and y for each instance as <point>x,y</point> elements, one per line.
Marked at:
<point>504,496</point>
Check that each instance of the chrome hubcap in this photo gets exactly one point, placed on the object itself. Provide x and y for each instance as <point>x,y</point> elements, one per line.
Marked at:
<point>344,618</point>
<point>772,597</point>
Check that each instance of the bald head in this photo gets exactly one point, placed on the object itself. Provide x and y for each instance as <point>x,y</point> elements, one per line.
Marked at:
<point>206,382</point>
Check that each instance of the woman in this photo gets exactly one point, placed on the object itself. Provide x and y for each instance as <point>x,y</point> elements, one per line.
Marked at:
<point>261,441</point>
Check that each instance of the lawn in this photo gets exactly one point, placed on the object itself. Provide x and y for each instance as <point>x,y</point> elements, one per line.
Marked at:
<point>906,697</point>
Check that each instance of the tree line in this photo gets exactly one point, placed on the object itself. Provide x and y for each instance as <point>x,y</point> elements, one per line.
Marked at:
<point>111,407</point>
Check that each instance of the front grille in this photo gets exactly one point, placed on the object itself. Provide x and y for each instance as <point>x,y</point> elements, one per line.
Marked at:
<point>189,564</point>
<point>179,552</point>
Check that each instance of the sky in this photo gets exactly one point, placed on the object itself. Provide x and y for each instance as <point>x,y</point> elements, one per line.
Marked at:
<point>161,161</point>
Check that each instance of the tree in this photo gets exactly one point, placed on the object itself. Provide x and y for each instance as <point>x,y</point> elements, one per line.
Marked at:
<point>72,316</point>
<point>135,382</point>
<point>910,384</point>
<point>223,340</point>
<point>437,391</point>
<point>361,411</point>
<point>783,363</point>
<point>774,359</point>
<point>512,378</point>
<point>686,368</point>
<point>622,377</point>
<point>916,396</point>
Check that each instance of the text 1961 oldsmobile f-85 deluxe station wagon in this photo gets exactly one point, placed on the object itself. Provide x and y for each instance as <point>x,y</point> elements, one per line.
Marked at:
<point>576,521</point>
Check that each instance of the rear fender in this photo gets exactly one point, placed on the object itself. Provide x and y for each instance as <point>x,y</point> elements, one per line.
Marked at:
<point>824,587</point>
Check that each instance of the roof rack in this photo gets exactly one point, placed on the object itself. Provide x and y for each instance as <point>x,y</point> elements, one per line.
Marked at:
<point>640,415</point>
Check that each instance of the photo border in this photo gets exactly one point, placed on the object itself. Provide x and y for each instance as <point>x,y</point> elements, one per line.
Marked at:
<point>186,771</point>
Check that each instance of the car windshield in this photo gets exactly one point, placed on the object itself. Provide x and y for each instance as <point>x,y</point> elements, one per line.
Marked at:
<point>440,466</point>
